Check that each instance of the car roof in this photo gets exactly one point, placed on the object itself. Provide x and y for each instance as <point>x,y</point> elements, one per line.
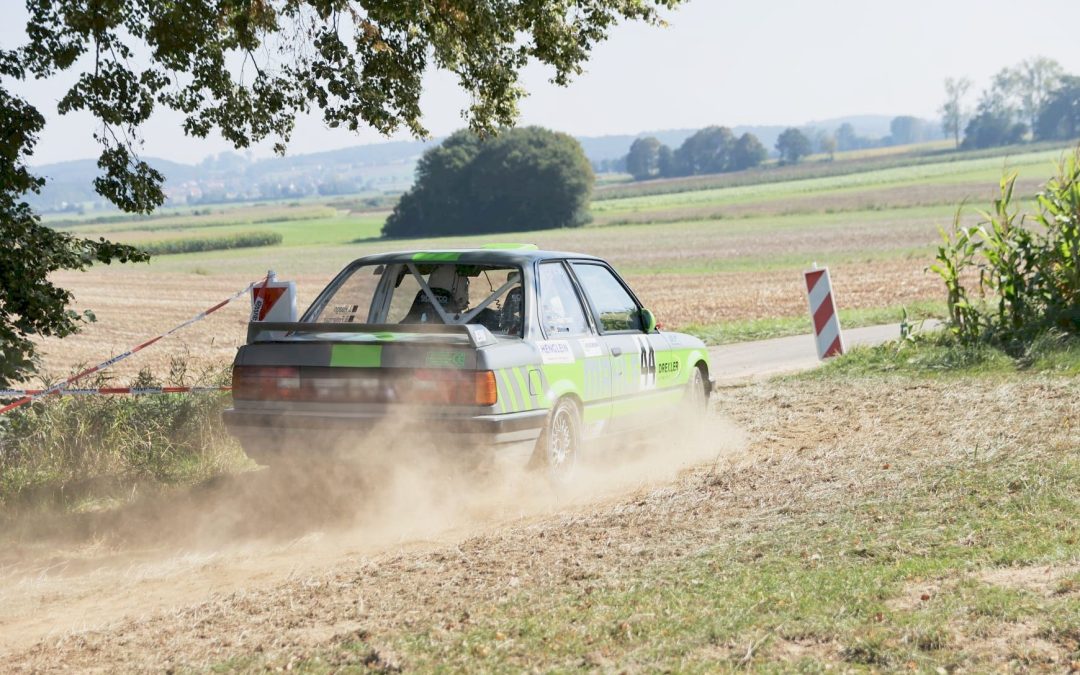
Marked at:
<point>513,254</point>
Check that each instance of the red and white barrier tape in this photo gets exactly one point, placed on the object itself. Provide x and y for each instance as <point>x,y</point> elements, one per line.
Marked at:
<point>61,387</point>
<point>137,391</point>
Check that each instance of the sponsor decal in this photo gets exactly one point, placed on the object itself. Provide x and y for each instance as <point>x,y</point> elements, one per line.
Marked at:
<point>343,314</point>
<point>555,351</point>
<point>668,367</point>
<point>597,384</point>
<point>591,347</point>
<point>445,359</point>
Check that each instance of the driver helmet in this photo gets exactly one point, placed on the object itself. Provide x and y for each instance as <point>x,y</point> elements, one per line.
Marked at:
<point>447,278</point>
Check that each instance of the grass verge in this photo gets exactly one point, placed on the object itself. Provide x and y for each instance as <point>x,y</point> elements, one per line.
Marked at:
<point>939,354</point>
<point>81,453</point>
<point>764,329</point>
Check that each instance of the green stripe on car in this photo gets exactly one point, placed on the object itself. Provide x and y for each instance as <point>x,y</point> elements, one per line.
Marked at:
<point>357,356</point>
<point>520,402</point>
<point>437,256</point>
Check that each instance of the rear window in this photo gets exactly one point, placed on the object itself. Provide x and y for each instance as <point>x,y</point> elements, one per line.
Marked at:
<point>420,293</point>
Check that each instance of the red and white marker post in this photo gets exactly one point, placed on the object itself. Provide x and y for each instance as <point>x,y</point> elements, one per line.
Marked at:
<point>273,300</point>
<point>823,313</point>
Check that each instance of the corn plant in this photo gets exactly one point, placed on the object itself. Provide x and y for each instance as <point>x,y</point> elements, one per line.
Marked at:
<point>1010,266</point>
<point>955,256</point>
<point>1028,277</point>
<point>1059,215</point>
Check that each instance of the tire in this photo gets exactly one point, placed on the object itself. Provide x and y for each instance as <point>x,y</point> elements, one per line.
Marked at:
<point>697,393</point>
<point>559,447</point>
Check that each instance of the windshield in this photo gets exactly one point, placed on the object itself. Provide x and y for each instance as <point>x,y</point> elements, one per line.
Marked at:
<point>425,293</point>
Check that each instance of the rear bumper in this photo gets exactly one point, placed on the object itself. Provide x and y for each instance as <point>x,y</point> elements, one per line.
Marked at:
<point>275,426</point>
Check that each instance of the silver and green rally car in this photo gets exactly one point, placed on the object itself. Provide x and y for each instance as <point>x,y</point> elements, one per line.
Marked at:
<point>494,347</point>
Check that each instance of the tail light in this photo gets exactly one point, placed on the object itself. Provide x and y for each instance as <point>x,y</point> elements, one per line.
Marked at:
<point>451,387</point>
<point>487,393</point>
<point>258,383</point>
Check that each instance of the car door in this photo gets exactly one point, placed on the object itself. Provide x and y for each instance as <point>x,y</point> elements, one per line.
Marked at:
<point>617,314</point>
<point>573,356</point>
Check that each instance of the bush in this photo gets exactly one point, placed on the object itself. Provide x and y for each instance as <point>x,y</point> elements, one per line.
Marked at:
<point>198,244</point>
<point>522,179</point>
<point>1028,277</point>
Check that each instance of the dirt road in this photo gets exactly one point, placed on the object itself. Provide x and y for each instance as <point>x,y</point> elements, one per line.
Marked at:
<point>169,556</point>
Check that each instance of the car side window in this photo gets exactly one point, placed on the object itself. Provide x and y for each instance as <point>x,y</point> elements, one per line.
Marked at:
<point>561,313</point>
<point>616,307</point>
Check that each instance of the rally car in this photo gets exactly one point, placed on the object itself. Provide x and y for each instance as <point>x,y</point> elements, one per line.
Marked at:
<point>494,347</point>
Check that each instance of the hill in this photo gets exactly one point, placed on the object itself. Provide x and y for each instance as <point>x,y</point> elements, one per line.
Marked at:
<point>373,168</point>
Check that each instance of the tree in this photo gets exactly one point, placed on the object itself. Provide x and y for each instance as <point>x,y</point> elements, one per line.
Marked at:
<point>952,111</point>
<point>906,129</point>
<point>827,145</point>
<point>1025,88</point>
<point>247,69</point>
<point>642,160</point>
<point>846,139</point>
<point>748,152</point>
<point>709,150</point>
<point>30,305</point>
<point>1060,115</point>
<point>993,126</point>
<point>792,145</point>
<point>665,162</point>
<point>444,173</point>
<point>522,179</point>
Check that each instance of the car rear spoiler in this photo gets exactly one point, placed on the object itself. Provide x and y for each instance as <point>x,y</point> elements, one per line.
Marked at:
<point>277,331</point>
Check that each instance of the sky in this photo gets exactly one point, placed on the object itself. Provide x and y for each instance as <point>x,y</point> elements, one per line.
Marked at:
<point>782,62</point>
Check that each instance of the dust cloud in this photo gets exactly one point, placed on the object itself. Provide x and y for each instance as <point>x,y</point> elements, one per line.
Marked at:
<point>338,499</point>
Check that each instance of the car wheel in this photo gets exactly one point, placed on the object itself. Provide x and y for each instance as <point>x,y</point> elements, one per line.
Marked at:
<point>698,393</point>
<point>561,441</point>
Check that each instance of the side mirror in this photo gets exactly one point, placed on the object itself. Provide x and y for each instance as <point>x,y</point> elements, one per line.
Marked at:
<point>648,321</point>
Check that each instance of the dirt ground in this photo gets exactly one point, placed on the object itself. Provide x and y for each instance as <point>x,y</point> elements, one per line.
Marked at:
<point>237,575</point>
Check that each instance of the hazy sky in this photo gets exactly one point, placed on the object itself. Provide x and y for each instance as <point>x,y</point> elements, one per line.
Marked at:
<point>730,63</point>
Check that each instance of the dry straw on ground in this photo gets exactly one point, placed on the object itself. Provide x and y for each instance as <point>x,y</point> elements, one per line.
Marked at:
<point>814,450</point>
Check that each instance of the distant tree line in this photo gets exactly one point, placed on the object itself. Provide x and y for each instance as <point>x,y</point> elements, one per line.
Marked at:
<point>528,178</point>
<point>1035,100</point>
<point>713,149</point>
<point>716,149</point>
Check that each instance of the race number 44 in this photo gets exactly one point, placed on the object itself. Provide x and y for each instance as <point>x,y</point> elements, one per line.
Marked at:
<point>647,354</point>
